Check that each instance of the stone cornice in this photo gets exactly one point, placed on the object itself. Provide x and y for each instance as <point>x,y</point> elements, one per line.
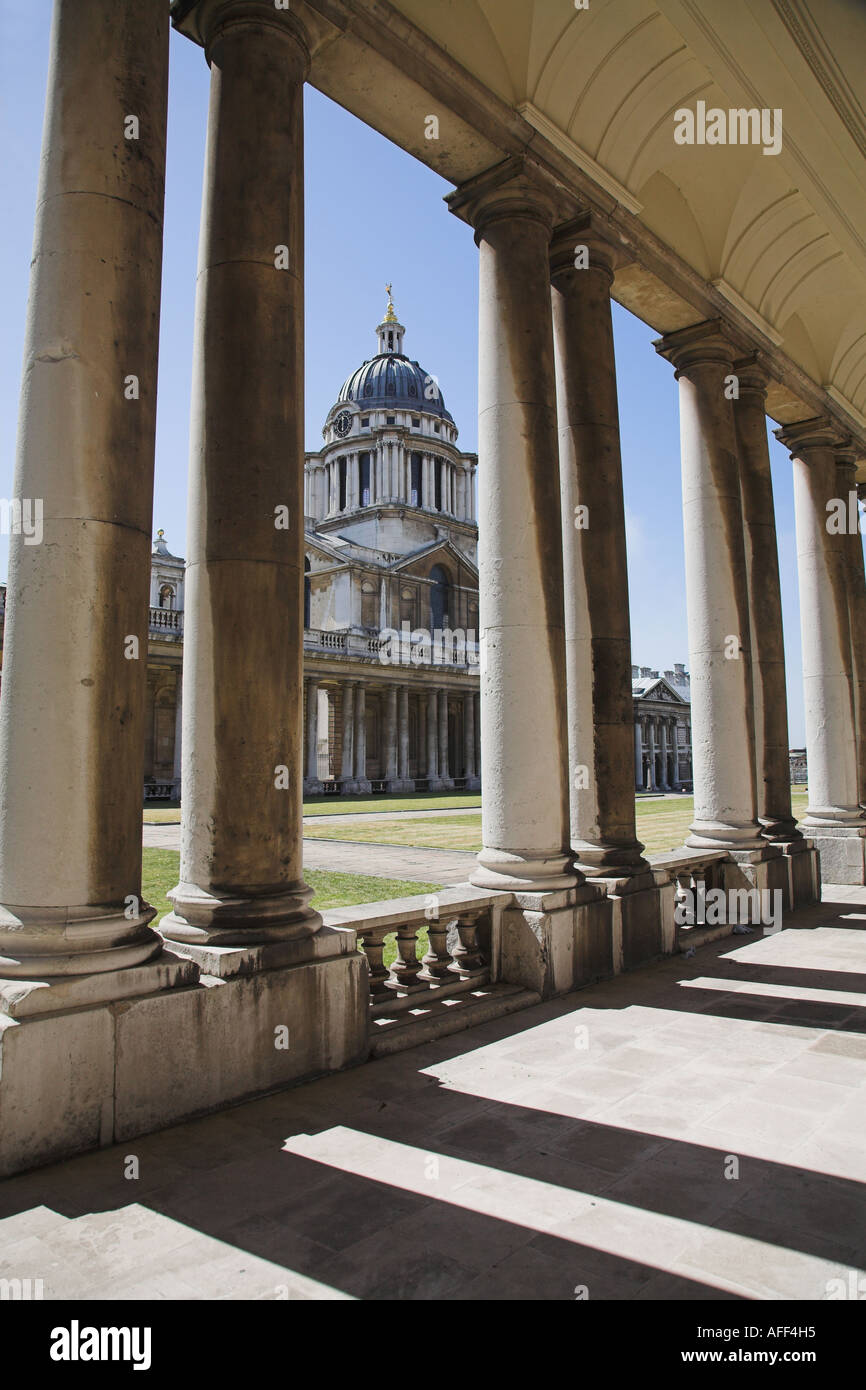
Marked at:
<point>819,433</point>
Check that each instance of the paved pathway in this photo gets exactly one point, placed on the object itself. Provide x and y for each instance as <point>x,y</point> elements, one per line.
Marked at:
<point>691,1130</point>
<point>345,857</point>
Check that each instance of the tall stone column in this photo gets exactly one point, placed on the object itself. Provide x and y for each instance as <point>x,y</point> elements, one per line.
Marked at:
<point>472,782</point>
<point>638,757</point>
<point>391,737</point>
<point>347,761</point>
<point>675,760</point>
<point>311,781</point>
<point>178,731</point>
<point>432,740</point>
<point>524,726</point>
<point>74,668</point>
<point>845,474</point>
<point>717,597</point>
<point>241,840</point>
<point>362,782</point>
<point>834,820</point>
<point>597,627</point>
<point>403,740</point>
<point>773,779</point>
<point>663,746</point>
<point>445,777</point>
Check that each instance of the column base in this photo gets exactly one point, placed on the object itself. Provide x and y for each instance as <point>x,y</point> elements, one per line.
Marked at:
<point>512,872</point>
<point>313,787</point>
<point>96,1074</point>
<point>51,942</point>
<point>473,784</point>
<point>205,919</point>
<point>362,787</point>
<point>764,870</point>
<point>609,860</point>
<point>727,835</point>
<point>842,852</point>
<point>399,784</point>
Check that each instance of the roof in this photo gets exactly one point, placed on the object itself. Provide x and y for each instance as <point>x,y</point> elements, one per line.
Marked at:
<point>390,379</point>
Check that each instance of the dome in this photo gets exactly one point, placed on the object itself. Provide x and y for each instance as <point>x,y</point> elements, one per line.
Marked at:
<point>390,380</point>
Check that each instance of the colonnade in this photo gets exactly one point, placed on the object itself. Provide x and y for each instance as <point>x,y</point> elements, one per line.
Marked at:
<point>556,702</point>
<point>445,485</point>
<point>657,754</point>
<point>432,760</point>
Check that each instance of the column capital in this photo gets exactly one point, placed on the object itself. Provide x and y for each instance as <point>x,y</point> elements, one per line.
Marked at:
<point>207,21</point>
<point>584,231</point>
<point>513,189</point>
<point>821,432</point>
<point>712,341</point>
<point>753,374</point>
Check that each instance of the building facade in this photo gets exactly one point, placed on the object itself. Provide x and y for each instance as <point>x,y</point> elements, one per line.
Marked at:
<point>662,729</point>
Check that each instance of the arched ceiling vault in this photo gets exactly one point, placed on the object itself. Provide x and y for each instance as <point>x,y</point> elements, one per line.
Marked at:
<point>777,243</point>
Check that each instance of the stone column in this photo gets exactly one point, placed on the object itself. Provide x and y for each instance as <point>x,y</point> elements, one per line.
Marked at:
<point>75,663</point>
<point>347,762</point>
<point>391,737</point>
<point>638,757</point>
<point>834,820</point>
<point>476,706</point>
<point>432,740</point>
<point>524,729</point>
<point>472,782</point>
<point>445,778</point>
<point>717,593</point>
<point>663,747</point>
<point>676,756</point>
<point>241,840</point>
<point>362,782</point>
<point>773,777</point>
<point>597,626</point>
<point>403,740</point>
<point>178,730</point>
<point>311,781</point>
<point>845,474</point>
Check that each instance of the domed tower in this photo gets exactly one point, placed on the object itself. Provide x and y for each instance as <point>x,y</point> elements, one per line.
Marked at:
<point>390,475</point>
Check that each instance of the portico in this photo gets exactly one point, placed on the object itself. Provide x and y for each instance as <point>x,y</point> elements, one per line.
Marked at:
<point>562,893</point>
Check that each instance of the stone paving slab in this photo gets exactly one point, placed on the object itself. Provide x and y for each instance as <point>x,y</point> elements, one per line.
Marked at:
<point>642,1138</point>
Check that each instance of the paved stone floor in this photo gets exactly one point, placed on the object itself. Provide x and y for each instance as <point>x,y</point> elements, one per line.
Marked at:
<point>588,1143</point>
<point>346,857</point>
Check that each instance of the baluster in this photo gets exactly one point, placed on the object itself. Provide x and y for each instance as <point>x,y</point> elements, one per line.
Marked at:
<point>437,962</point>
<point>373,942</point>
<point>407,967</point>
<point>467,959</point>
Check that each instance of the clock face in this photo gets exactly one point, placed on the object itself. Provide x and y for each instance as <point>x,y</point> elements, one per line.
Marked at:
<point>343,423</point>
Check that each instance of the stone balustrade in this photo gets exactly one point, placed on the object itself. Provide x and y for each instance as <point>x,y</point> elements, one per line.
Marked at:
<point>166,620</point>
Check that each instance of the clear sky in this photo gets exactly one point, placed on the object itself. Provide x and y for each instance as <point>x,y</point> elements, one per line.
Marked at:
<point>373,215</point>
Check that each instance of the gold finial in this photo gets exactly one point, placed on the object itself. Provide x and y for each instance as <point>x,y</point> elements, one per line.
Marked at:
<point>160,534</point>
<point>390,316</point>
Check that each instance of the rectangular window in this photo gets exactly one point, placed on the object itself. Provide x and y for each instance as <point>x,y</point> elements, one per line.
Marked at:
<point>390,419</point>
<point>365,420</point>
<point>343,484</point>
<point>415,486</point>
<point>438,469</point>
<point>364,462</point>
<point>416,422</point>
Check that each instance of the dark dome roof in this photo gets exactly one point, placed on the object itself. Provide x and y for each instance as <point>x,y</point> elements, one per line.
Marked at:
<point>391,380</point>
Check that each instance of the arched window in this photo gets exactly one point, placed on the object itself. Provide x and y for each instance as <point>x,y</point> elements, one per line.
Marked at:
<point>369,605</point>
<point>306,592</point>
<point>166,596</point>
<point>438,598</point>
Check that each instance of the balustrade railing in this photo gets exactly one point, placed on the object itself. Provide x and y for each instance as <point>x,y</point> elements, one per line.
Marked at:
<point>166,620</point>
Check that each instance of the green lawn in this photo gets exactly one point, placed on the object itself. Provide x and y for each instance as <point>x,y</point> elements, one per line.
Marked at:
<point>348,805</point>
<point>661,825</point>
<point>161,867</point>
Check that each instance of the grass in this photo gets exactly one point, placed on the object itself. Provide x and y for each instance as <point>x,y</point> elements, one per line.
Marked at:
<point>347,805</point>
<point>161,868</point>
<point>661,825</point>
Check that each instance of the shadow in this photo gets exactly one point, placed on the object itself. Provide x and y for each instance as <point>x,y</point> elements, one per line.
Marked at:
<point>395,1182</point>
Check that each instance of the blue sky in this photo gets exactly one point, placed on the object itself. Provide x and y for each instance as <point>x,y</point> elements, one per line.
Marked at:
<point>373,215</point>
